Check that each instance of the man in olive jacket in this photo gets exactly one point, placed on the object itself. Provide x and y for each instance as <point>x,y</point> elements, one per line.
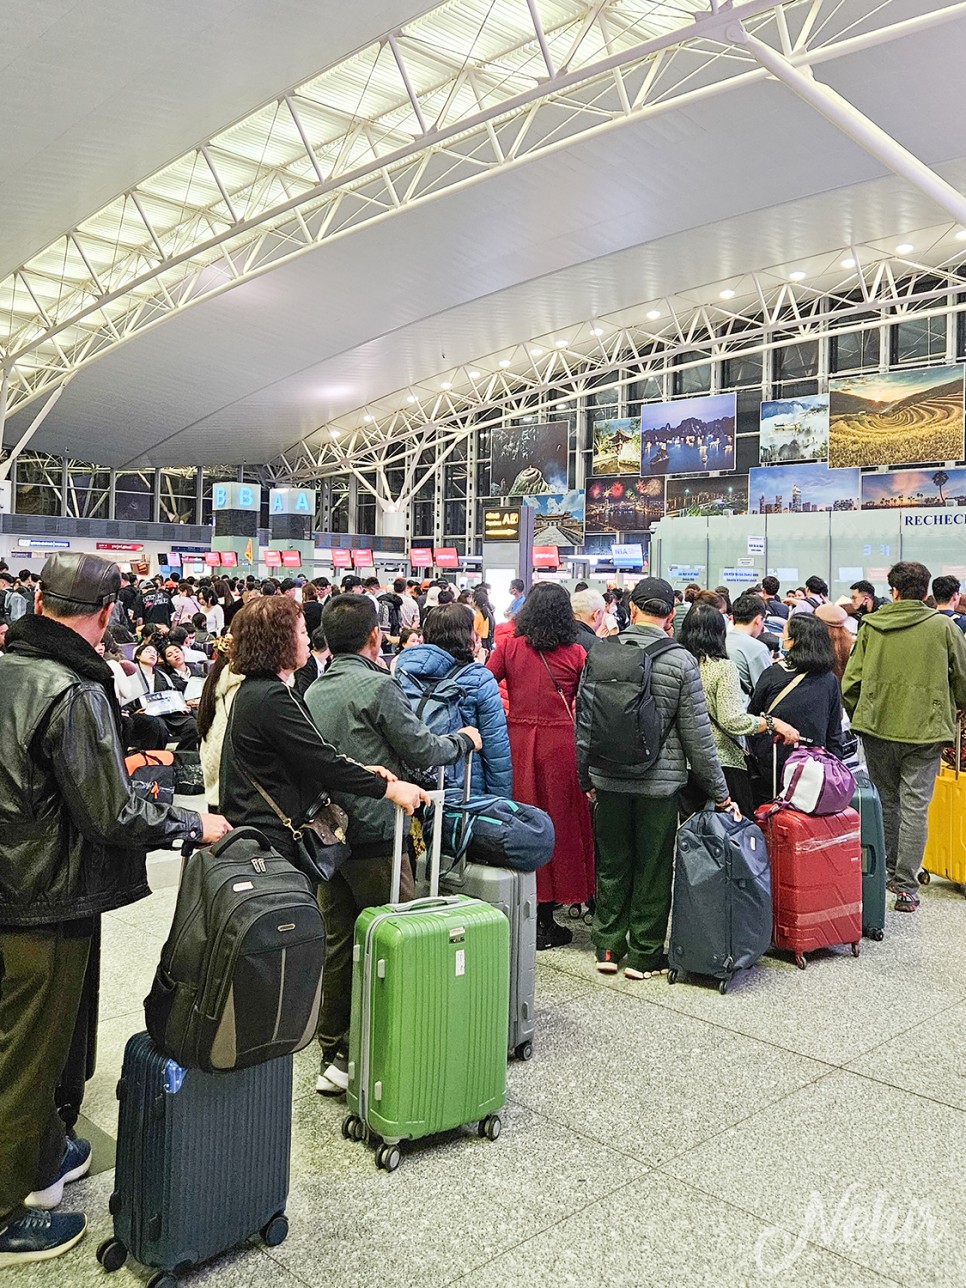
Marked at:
<point>73,839</point>
<point>903,686</point>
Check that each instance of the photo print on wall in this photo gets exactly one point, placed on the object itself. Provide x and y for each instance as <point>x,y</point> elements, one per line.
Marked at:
<point>617,447</point>
<point>701,497</point>
<point>899,488</point>
<point>526,460</point>
<point>691,434</point>
<point>558,519</point>
<point>802,489</point>
<point>793,429</point>
<point>899,418</point>
<point>626,504</point>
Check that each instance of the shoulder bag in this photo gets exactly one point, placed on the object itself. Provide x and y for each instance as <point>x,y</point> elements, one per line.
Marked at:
<point>560,692</point>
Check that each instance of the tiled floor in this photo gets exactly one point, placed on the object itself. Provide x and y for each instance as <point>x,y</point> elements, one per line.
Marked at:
<point>806,1129</point>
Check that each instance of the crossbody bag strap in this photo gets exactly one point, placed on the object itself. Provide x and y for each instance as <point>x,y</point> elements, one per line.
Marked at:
<point>560,692</point>
<point>786,691</point>
<point>728,735</point>
<point>296,832</point>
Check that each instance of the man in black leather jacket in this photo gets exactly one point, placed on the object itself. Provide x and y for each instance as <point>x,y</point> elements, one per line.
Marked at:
<point>74,841</point>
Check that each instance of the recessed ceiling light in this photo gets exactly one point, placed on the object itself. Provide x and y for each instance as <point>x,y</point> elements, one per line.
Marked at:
<point>727,293</point>
<point>848,262</point>
<point>560,344</point>
<point>961,235</point>
<point>653,315</point>
<point>596,330</point>
<point>536,352</point>
<point>474,375</point>
<point>335,433</point>
<point>905,248</point>
<point>504,363</point>
<point>797,276</point>
<point>447,384</point>
<point>411,399</point>
<point>368,419</point>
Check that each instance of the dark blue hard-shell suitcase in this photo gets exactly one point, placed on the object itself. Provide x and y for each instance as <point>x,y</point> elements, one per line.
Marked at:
<point>869,808</point>
<point>202,1160</point>
<point>721,915</point>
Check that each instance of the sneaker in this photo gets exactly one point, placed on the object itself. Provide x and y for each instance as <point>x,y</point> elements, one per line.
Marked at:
<point>891,886</point>
<point>633,972</point>
<point>550,934</point>
<point>608,962</point>
<point>39,1236</point>
<point>75,1164</point>
<point>334,1078</point>
<point>906,902</point>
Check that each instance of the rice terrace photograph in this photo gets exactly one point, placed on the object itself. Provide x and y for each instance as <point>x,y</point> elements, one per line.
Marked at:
<point>900,418</point>
<point>689,435</point>
<point>559,518</point>
<point>793,429</point>
<point>617,447</point>
<point>913,487</point>
<point>628,504</point>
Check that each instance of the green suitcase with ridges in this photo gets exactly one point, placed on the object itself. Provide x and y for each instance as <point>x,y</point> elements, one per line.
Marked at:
<point>430,1000</point>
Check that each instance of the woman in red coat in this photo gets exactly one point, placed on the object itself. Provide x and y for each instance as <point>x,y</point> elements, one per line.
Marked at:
<point>541,664</point>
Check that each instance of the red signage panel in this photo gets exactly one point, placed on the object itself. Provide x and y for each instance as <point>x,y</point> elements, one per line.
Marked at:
<point>420,558</point>
<point>273,558</point>
<point>546,557</point>
<point>213,559</point>
<point>119,545</point>
<point>362,559</point>
<point>341,558</point>
<point>446,557</point>
<point>291,559</point>
<point>229,559</point>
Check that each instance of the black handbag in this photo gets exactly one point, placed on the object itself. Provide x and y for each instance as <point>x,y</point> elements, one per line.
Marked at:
<point>320,839</point>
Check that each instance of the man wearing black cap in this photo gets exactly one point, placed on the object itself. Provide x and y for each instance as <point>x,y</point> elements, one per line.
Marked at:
<point>74,840</point>
<point>637,803</point>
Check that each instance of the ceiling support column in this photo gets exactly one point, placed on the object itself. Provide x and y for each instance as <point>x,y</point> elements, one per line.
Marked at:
<point>838,111</point>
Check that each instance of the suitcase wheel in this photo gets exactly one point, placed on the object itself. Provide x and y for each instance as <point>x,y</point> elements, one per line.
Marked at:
<point>490,1126</point>
<point>353,1128</point>
<point>800,961</point>
<point>276,1231</point>
<point>388,1157</point>
<point>924,877</point>
<point>112,1255</point>
<point>856,948</point>
<point>162,1280</point>
<point>723,986</point>
<point>524,1051</point>
<point>672,977</point>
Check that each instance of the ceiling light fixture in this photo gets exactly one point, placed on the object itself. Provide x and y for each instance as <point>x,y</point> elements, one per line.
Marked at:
<point>848,262</point>
<point>797,276</point>
<point>504,363</point>
<point>335,433</point>
<point>367,418</point>
<point>536,352</point>
<point>447,384</point>
<point>961,235</point>
<point>411,399</point>
<point>560,344</point>
<point>727,293</point>
<point>596,330</point>
<point>653,315</point>
<point>474,375</point>
<point>905,248</point>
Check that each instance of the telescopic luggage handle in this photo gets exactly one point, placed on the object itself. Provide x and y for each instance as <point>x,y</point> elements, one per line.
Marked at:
<point>459,866</point>
<point>399,841</point>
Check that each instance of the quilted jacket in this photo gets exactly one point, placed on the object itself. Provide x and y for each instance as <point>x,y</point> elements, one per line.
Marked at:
<point>678,692</point>
<point>481,708</point>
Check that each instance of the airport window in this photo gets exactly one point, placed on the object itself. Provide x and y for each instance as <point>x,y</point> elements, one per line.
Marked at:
<point>854,350</point>
<point>88,492</point>
<point>339,505</point>
<point>38,485</point>
<point>917,340</point>
<point>796,361</point>
<point>650,389</point>
<point>742,372</point>
<point>454,517</point>
<point>177,496</point>
<point>691,380</point>
<point>365,512</point>
<point>134,497</point>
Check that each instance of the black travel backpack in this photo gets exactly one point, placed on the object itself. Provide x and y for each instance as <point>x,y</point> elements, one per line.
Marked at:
<point>240,977</point>
<point>625,723</point>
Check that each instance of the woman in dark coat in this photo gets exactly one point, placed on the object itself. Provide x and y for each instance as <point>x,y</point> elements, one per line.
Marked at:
<point>813,706</point>
<point>541,664</point>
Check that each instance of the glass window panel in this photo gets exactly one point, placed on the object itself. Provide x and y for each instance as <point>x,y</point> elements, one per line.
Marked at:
<point>743,372</point>
<point>796,361</point>
<point>692,380</point>
<point>134,497</point>
<point>855,351</point>
<point>918,339</point>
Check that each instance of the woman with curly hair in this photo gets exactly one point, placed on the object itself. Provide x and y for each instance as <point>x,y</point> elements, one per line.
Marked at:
<point>541,664</point>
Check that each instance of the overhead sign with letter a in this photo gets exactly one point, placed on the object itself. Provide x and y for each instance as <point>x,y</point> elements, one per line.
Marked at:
<point>292,500</point>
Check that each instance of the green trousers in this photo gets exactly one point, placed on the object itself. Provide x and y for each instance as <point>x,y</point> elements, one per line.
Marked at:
<point>360,883</point>
<point>41,982</point>
<point>635,866</point>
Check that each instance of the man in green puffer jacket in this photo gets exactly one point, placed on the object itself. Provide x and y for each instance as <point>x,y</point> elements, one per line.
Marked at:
<point>903,688</point>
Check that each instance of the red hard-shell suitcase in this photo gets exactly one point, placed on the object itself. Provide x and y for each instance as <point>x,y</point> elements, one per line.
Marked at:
<point>816,879</point>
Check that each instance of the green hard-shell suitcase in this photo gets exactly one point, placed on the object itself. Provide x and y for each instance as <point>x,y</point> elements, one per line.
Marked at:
<point>430,999</point>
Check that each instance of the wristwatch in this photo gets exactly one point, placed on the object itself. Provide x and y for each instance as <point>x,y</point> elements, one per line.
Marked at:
<point>769,722</point>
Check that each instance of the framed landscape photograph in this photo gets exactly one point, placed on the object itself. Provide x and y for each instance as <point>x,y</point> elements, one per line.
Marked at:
<point>701,497</point>
<point>898,488</point>
<point>689,435</point>
<point>793,429</point>
<point>616,447</point>
<point>899,418</point>
<point>802,489</point>
<point>626,504</point>
<point>559,518</point>
<point>528,459</point>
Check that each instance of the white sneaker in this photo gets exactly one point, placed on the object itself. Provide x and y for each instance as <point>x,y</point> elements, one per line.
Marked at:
<point>75,1164</point>
<point>334,1080</point>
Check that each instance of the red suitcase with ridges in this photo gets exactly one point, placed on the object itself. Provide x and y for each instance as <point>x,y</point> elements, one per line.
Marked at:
<point>816,879</point>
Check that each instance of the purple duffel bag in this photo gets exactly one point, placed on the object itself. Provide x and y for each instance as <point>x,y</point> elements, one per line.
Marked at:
<point>815,782</point>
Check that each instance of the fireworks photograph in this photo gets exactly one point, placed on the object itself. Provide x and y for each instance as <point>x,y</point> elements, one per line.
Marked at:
<point>628,504</point>
<point>688,435</point>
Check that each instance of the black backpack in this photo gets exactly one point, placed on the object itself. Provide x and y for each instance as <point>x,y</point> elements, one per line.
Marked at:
<point>390,615</point>
<point>240,977</point>
<point>625,723</point>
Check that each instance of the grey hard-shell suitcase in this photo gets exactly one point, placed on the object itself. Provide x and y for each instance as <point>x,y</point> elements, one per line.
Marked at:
<point>869,808</point>
<point>721,914</point>
<point>202,1160</point>
<point>515,894</point>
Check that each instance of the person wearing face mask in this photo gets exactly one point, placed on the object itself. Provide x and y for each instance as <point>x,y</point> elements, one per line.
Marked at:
<point>802,690</point>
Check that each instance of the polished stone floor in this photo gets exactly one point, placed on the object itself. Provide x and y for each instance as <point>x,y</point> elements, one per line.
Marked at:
<point>808,1129</point>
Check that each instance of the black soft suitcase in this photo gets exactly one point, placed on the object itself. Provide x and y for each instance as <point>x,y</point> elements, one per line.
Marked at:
<point>202,1161</point>
<point>721,914</point>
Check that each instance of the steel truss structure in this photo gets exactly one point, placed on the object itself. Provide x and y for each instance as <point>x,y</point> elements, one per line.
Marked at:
<point>467,90</point>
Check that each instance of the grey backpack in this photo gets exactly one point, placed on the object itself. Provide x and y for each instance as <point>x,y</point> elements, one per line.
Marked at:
<point>240,977</point>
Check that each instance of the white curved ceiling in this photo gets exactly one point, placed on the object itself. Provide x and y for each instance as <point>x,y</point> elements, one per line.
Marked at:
<point>746,181</point>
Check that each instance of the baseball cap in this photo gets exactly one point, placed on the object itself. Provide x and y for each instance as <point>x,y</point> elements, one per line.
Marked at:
<point>653,589</point>
<point>81,578</point>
